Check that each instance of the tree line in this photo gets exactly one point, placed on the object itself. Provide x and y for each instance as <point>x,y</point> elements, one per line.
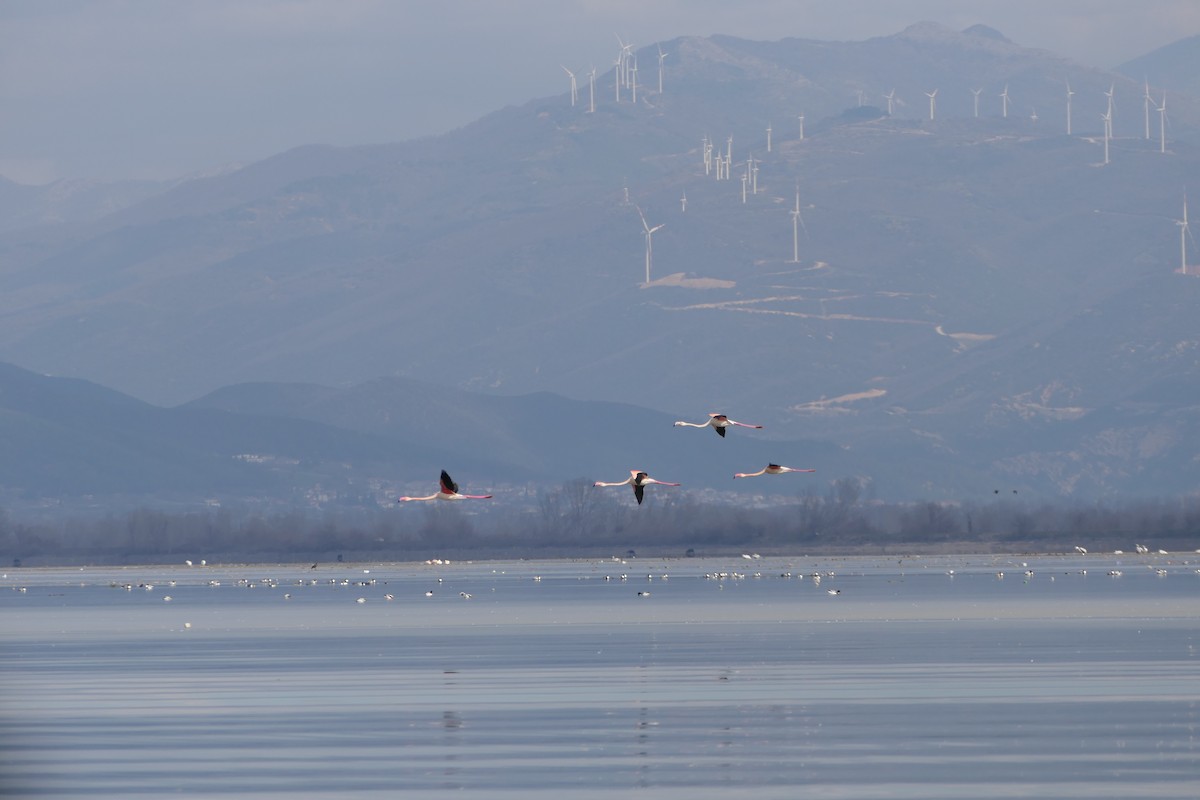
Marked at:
<point>575,519</point>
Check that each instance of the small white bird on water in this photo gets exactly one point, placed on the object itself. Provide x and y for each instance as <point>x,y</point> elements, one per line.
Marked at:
<point>448,490</point>
<point>639,481</point>
<point>770,469</point>
<point>718,422</point>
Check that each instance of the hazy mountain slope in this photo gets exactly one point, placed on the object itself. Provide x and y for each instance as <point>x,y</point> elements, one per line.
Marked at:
<point>73,444</point>
<point>543,435</point>
<point>67,201</point>
<point>1174,67</point>
<point>948,268</point>
<point>69,438</point>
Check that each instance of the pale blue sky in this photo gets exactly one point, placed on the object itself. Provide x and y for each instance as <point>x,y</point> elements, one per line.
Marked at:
<point>146,89</point>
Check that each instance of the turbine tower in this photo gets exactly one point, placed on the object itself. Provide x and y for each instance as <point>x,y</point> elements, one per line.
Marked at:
<point>1162,125</point>
<point>1184,233</point>
<point>1107,132</point>
<point>797,221</point>
<point>932,102</point>
<point>1004,98</point>
<point>649,241</point>
<point>623,57</point>
<point>592,91</point>
<point>661,56</point>
<point>1109,95</point>
<point>1069,93</point>
<point>976,93</point>
<point>574,89</point>
<point>1146,108</point>
<point>768,137</point>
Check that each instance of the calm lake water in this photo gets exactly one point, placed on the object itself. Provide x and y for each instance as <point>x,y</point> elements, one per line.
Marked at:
<point>920,678</point>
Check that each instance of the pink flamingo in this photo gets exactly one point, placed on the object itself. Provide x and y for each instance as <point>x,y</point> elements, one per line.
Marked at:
<point>639,481</point>
<point>718,422</point>
<point>447,491</point>
<point>770,469</point>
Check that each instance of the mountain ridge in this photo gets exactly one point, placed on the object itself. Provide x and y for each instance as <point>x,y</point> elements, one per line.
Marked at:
<point>968,289</point>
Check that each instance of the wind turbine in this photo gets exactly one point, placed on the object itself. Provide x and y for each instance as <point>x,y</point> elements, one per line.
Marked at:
<point>890,96</point>
<point>932,102</point>
<point>683,203</point>
<point>1069,93</point>
<point>661,56</point>
<point>1146,108</point>
<point>797,223</point>
<point>1109,95</point>
<point>1184,233</point>
<point>649,240</point>
<point>1107,132</point>
<point>1162,124</point>
<point>802,127</point>
<point>623,61</point>
<point>574,90</point>
<point>768,137</point>
<point>976,93</point>
<point>1004,98</point>
<point>592,91</point>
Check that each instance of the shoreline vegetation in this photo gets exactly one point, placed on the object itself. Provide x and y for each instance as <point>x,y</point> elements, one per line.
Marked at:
<point>573,521</point>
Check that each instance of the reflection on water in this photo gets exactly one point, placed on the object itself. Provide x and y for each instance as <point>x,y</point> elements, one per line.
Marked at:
<point>921,678</point>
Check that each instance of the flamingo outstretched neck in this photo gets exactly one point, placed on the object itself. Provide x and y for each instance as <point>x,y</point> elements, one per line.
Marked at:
<point>770,469</point>
<point>718,422</point>
<point>447,490</point>
<point>639,481</point>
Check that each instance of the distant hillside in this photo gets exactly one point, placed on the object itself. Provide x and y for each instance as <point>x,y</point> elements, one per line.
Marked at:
<point>68,202</point>
<point>958,302</point>
<point>1175,67</point>
<point>89,446</point>
<point>541,435</point>
<point>274,446</point>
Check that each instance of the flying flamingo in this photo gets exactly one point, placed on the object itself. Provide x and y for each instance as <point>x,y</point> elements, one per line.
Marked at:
<point>718,422</point>
<point>639,481</point>
<point>447,491</point>
<point>770,469</point>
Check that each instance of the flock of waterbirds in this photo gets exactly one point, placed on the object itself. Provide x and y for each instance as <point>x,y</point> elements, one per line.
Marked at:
<point>638,479</point>
<point>433,580</point>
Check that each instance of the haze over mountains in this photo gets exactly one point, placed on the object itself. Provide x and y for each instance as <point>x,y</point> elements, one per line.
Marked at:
<point>978,301</point>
